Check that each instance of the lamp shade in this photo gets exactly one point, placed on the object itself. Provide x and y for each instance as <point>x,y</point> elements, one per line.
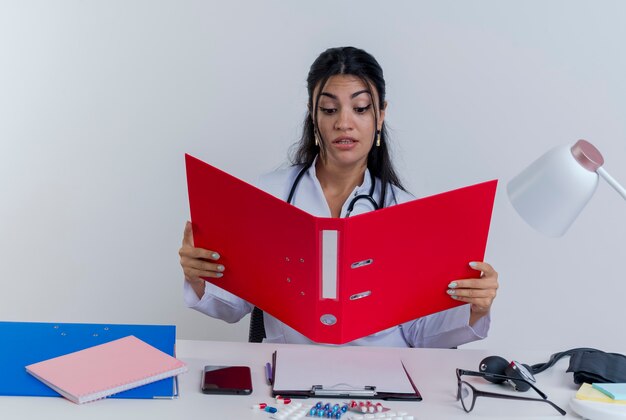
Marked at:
<point>554,189</point>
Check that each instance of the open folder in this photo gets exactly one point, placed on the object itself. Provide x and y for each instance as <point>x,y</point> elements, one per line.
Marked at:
<point>345,372</point>
<point>335,280</point>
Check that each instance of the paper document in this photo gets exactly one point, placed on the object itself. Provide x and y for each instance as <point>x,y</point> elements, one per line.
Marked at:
<point>346,370</point>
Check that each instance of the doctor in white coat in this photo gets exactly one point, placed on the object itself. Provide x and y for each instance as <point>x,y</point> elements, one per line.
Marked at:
<point>341,168</point>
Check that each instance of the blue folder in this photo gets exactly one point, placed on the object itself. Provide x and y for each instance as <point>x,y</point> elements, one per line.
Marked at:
<point>24,343</point>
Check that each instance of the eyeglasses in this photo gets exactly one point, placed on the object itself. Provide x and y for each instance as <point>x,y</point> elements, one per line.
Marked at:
<point>468,394</point>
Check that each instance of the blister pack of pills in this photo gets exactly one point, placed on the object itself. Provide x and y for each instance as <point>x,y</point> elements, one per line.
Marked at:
<point>286,409</point>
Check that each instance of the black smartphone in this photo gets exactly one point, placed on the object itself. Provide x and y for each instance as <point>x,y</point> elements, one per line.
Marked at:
<point>235,380</point>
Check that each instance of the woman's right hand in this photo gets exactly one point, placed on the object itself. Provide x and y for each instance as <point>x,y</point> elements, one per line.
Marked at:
<point>198,262</point>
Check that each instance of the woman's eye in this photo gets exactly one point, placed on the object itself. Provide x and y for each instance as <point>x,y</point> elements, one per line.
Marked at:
<point>328,111</point>
<point>362,109</point>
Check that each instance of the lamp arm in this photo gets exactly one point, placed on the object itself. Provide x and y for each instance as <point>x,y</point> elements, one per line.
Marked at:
<point>612,182</point>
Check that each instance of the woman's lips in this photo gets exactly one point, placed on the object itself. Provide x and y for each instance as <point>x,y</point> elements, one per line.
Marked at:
<point>345,143</point>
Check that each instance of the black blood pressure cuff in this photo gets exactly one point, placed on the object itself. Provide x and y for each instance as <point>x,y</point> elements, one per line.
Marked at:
<point>598,367</point>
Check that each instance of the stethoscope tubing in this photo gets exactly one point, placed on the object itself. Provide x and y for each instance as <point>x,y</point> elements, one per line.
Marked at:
<point>369,197</point>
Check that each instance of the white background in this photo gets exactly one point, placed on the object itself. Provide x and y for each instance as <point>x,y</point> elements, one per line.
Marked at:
<point>99,100</point>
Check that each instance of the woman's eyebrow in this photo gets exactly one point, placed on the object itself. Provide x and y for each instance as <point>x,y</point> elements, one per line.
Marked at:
<point>354,95</point>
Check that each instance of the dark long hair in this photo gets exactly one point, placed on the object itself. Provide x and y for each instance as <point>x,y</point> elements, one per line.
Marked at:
<point>355,62</point>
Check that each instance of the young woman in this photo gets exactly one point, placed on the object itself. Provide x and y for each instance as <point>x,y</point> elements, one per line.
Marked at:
<point>341,167</point>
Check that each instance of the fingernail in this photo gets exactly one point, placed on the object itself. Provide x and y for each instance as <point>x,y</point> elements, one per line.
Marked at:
<point>454,297</point>
<point>218,275</point>
<point>452,285</point>
<point>215,256</point>
<point>473,264</point>
<point>451,291</point>
<point>220,268</point>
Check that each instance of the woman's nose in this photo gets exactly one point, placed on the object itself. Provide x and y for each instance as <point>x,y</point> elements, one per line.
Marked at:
<point>344,120</point>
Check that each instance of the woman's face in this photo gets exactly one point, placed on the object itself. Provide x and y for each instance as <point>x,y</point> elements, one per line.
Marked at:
<point>346,120</point>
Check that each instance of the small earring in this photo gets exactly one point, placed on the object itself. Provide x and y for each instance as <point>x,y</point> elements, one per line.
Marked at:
<point>378,139</point>
<point>317,143</point>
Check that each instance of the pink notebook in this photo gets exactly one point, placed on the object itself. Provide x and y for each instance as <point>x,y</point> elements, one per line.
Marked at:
<point>106,369</point>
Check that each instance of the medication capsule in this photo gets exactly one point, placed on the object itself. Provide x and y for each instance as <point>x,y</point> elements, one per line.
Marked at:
<point>353,404</point>
<point>270,409</point>
<point>344,408</point>
<point>335,407</point>
<point>313,411</point>
<point>379,407</point>
<point>318,405</point>
<point>259,406</point>
<point>327,406</point>
<point>368,407</point>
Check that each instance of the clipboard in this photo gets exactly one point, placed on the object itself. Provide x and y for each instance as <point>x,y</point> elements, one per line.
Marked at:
<point>328,278</point>
<point>25,343</point>
<point>326,384</point>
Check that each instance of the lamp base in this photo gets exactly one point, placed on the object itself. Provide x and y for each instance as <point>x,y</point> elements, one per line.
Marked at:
<point>597,410</point>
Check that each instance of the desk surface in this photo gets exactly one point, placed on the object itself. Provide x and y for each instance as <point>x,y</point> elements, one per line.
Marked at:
<point>433,371</point>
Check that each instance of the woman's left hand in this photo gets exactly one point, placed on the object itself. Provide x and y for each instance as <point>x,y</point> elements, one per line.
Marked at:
<point>479,292</point>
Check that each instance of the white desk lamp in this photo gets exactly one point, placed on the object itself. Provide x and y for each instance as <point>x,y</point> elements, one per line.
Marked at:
<point>553,190</point>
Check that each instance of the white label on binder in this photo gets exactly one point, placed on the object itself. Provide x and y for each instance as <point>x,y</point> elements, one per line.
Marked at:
<point>329,264</point>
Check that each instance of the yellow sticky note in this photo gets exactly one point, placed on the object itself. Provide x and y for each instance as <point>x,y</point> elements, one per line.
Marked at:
<point>589,393</point>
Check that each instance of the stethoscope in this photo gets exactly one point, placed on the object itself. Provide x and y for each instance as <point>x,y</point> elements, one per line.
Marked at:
<point>369,197</point>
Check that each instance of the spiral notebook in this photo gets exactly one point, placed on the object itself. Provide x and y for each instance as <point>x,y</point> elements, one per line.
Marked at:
<point>100,371</point>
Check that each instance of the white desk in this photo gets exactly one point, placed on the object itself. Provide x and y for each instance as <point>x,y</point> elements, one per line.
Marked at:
<point>433,372</point>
